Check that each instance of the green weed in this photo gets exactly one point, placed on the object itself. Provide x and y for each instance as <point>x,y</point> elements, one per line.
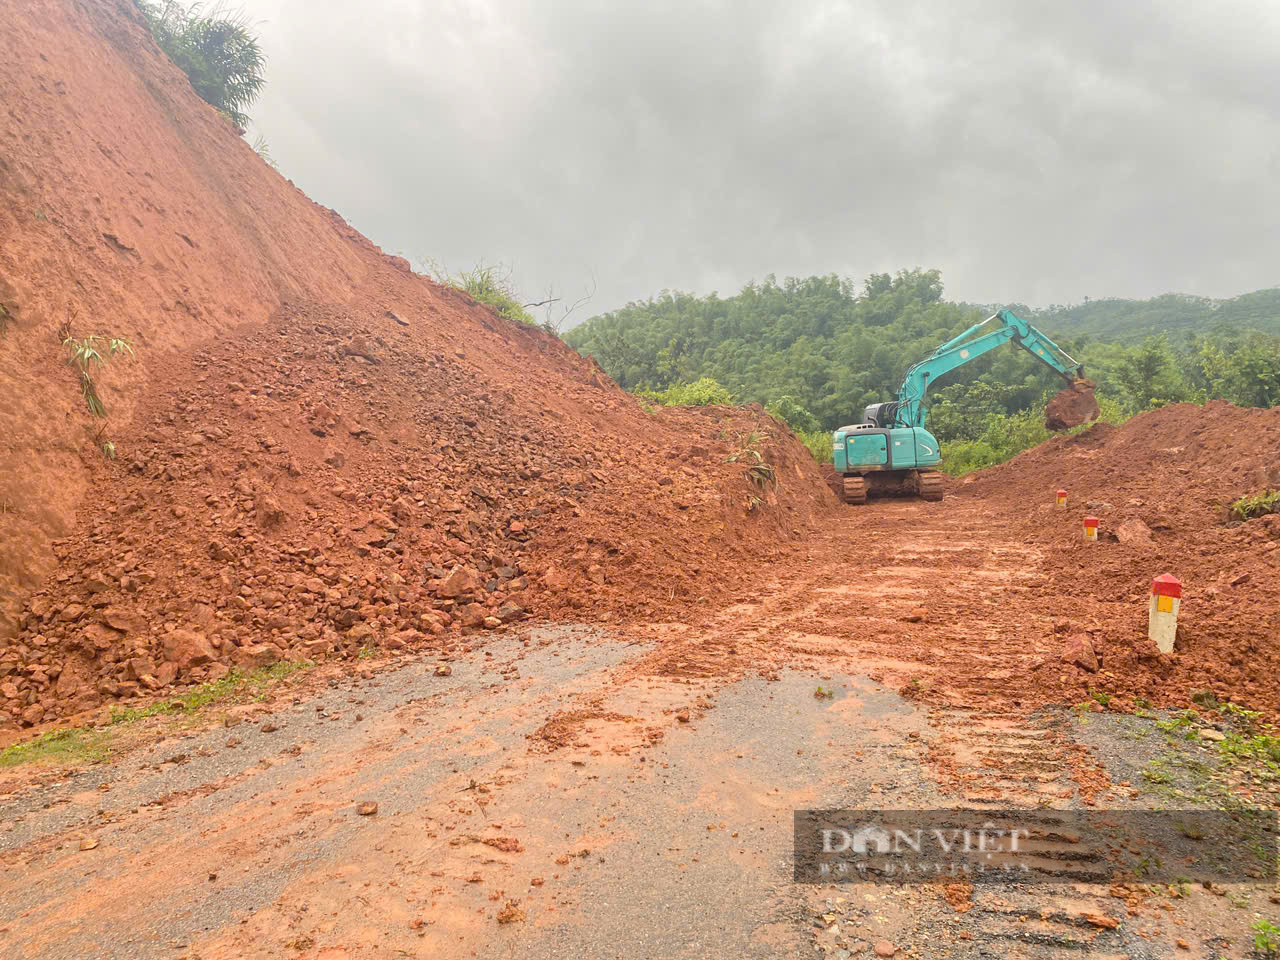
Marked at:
<point>1241,717</point>
<point>1266,937</point>
<point>1184,722</point>
<point>1263,747</point>
<point>86,353</point>
<point>77,746</point>
<point>1246,508</point>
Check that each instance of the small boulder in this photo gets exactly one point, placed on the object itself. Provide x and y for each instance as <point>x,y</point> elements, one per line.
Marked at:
<point>256,655</point>
<point>463,581</point>
<point>510,611</point>
<point>270,512</point>
<point>1079,651</point>
<point>1135,533</point>
<point>187,649</point>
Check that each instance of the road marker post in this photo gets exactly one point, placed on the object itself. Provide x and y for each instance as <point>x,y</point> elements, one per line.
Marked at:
<point>1062,498</point>
<point>1091,528</point>
<point>1162,615</point>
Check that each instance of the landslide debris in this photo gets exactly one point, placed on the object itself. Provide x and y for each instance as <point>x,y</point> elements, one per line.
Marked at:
<point>1161,485</point>
<point>319,451</point>
<point>287,495</point>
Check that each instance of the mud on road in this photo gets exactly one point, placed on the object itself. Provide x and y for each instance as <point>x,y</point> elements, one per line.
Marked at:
<point>574,792</point>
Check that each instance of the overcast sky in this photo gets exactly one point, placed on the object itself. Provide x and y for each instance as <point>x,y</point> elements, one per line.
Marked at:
<point>1035,152</point>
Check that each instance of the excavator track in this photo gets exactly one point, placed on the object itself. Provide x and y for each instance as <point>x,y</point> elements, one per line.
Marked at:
<point>855,490</point>
<point>930,485</point>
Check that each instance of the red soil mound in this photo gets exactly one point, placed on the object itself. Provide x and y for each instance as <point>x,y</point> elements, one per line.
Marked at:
<point>318,450</point>
<point>1160,486</point>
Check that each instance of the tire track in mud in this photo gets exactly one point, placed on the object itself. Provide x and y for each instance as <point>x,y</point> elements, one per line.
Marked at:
<point>939,606</point>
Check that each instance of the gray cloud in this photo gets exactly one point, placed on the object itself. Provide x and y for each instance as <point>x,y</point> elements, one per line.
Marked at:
<point>1034,151</point>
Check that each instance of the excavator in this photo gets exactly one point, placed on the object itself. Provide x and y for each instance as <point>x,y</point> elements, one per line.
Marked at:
<point>891,452</point>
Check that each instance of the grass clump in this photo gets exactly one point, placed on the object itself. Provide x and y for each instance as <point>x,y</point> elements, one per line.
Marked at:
<point>235,687</point>
<point>77,746</point>
<point>1258,505</point>
<point>216,47</point>
<point>73,746</point>
<point>490,285</point>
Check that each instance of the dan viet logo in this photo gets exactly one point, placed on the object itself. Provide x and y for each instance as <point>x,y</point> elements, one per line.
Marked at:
<point>935,851</point>
<point>1035,845</point>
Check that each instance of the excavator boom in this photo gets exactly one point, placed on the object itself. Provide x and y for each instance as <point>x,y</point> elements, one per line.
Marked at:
<point>970,345</point>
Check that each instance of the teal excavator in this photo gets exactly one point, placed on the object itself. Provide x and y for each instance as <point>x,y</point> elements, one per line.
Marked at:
<point>891,451</point>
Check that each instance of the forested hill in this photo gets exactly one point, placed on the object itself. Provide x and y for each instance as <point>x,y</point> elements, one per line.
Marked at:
<point>1177,314</point>
<point>831,348</point>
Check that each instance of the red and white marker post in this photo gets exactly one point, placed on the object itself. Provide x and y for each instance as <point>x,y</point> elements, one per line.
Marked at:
<point>1091,528</point>
<point>1162,616</point>
<point>1062,498</point>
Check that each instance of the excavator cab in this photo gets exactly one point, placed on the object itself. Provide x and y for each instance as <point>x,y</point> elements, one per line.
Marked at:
<point>881,414</point>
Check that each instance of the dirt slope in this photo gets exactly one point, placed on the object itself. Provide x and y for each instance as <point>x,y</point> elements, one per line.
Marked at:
<point>129,207</point>
<point>318,450</point>
<point>1160,486</point>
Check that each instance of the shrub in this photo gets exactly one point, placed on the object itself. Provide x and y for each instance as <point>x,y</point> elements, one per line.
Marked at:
<point>700,393</point>
<point>214,48</point>
<point>1005,435</point>
<point>86,353</point>
<point>794,414</point>
<point>819,443</point>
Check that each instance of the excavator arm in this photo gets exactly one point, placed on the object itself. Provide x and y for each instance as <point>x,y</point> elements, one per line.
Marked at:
<point>909,411</point>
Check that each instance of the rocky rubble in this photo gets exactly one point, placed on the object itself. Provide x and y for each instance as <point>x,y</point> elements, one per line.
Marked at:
<point>358,491</point>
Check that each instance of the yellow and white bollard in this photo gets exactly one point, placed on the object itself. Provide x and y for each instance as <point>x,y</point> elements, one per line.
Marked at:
<point>1091,528</point>
<point>1062,498</point>
<point>1162,617</point>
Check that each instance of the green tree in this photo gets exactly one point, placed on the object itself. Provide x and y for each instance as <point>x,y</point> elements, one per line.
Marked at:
<point>1246,373</point>
<point>831,347</point>
<point>1150,375</point>
<point>215,48</point>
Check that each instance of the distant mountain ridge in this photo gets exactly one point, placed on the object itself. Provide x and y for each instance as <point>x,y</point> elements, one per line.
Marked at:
<point>1178,314</point>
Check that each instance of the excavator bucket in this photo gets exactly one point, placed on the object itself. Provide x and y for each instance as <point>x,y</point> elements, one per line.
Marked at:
<point>1073,406</point>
